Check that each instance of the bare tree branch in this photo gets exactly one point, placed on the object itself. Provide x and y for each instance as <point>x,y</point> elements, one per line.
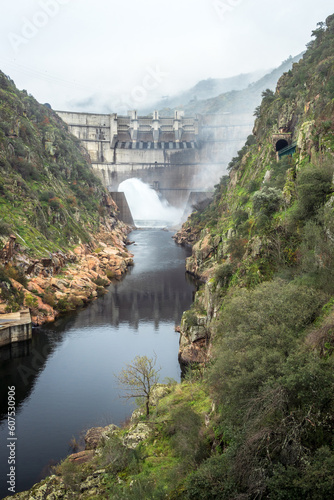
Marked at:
<point>139,378</point>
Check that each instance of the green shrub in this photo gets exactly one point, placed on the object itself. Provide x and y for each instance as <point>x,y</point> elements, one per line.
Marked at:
<point>186,438</point>
<point>72,476</point>
<point>267,201</point>
<point>240,217</point>
<point>26,169</point>
<point>190,318</point>
<point>101,291</point>
<point>31,302</point>
<point>55,203</point>
<point>67,304</point>
<point>11,296</point>
<point>49,298</point>
<point>5,229</point>
<point>314,184</point>
<point>117,456</point>
<point>279,170</point>
<point>252,186</point>
<point>46,195</point>
<point>110,274</point>
<point>18,275</point>
<point>100,282</point>
<point>257,331</point>
<point>211,481</point>
<point>74,302</point>
<point>224,273</point>
<point>236,247</point>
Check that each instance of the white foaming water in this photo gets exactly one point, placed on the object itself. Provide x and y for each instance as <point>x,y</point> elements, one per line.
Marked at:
<point>147,209</point>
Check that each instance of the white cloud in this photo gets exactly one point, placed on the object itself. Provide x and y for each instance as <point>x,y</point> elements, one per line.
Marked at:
<point>67,50</point>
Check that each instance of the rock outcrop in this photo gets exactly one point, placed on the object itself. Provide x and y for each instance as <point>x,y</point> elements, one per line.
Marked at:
<point>94,437</point>
<point>63,282</point>
<point>186,236</point>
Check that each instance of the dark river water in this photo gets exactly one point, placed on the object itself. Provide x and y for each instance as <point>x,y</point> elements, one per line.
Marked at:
<point>65,376</point>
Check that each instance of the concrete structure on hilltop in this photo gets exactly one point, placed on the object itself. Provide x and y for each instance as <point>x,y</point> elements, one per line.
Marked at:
<point>169,153</point>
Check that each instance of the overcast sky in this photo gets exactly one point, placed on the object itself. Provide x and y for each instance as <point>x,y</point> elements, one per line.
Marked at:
<point>79,54</point>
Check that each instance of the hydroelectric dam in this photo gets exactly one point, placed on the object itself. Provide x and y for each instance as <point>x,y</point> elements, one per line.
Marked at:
<point>177,156</point>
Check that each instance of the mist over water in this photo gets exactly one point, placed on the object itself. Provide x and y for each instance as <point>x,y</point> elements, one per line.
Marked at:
<point>147,208</point>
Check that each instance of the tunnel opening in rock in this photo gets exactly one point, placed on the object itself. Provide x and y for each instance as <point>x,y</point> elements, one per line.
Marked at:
<point>282,143</point>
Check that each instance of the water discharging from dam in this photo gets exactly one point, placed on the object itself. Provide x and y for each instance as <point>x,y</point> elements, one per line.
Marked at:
<point>147,208</point>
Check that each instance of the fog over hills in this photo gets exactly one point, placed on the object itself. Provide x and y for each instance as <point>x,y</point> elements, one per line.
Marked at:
<point>211,87</point>
<point>236,99</point>
<point>238,91</point>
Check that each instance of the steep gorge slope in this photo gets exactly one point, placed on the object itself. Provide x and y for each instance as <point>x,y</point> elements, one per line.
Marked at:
<point>50,203</point>
<point>263,321</point>
<point>50,197</point>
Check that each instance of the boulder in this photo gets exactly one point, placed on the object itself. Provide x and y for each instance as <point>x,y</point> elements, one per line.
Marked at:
<point>38,283</point>
<point>46,313</point>
<point>61,284</point>
<point>78,250</point>
<point>92,263</point>
<point>81,457</point>
<point>33,286</point>
<point>193,353</point>
<point>94,436</point>
<point>197,333</point>
<point>136,435</point>
<point>158,392</point>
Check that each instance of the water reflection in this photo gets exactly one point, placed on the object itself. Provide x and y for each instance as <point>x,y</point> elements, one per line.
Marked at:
<point>21,363</point>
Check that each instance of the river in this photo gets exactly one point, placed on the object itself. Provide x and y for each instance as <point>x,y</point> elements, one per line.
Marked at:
<point>65,376</point>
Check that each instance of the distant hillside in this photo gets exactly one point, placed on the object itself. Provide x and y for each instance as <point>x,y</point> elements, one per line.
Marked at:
<point>211,87</point>
<point>235,100</point>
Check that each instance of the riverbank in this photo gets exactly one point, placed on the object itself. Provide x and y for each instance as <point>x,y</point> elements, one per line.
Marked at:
<point>64,282</point>
<point>117,460</point>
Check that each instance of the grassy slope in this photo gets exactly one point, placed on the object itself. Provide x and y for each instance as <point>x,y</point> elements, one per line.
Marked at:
<point>49,196</point>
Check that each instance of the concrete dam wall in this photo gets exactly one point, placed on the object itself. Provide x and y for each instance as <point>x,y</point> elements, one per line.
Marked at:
<point>175,155</point>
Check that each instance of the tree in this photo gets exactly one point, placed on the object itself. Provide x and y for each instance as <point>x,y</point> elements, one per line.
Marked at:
<point>139,378</point>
